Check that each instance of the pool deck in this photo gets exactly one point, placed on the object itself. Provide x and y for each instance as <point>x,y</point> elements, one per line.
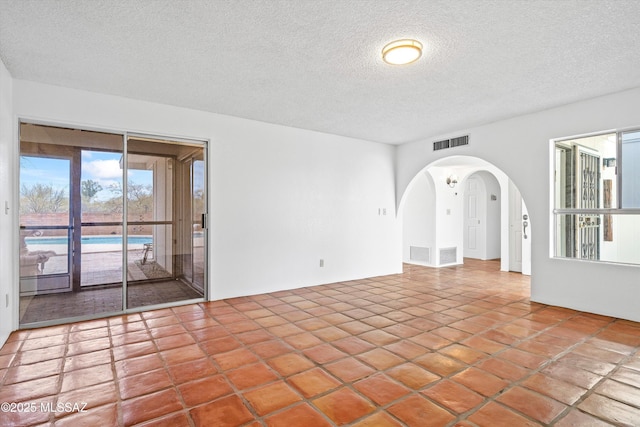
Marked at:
<point>98,266</point>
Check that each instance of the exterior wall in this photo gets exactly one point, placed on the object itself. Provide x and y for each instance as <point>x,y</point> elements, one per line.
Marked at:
<point>521,148</point>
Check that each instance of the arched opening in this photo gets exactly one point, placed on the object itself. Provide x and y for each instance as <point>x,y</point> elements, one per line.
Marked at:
<point>465,207</point>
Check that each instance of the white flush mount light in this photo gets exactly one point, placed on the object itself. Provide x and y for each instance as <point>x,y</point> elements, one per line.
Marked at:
<point>401,52</point>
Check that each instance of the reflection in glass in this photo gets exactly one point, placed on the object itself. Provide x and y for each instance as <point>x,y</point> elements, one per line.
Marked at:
<point>631,169</point>
<point>583,237</point>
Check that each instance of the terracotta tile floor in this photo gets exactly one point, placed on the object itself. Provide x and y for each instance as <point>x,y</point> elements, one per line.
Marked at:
<point>460,346</point>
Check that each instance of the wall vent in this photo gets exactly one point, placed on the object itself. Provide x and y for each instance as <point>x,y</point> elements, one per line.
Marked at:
<point>417,253</point>
<point>448,255</point>
<point>461,140</point>
<point>441,145</point>
<point>450,143</point>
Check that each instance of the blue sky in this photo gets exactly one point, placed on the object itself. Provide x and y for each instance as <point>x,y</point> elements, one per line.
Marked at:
<point>102,167</point>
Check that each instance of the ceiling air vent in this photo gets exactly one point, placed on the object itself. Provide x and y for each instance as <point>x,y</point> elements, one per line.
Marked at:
<point>461,140</point>
<point>450,143</point>
<point>441,145</point>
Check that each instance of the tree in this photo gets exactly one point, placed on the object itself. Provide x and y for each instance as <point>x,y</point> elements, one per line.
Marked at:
<point>139,198</point>
<point>89,189</point>
<point>42,198</point>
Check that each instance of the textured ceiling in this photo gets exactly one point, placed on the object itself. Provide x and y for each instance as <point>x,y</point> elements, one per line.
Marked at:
<point>315,64</point>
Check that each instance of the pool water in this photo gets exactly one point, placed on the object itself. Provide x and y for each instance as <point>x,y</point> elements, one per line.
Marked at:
<point>91,240</point>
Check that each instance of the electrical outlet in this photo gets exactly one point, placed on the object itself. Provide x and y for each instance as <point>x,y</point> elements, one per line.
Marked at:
<point>321,263</point>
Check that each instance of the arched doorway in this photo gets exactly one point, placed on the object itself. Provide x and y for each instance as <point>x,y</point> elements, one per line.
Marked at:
<point>438,209</point>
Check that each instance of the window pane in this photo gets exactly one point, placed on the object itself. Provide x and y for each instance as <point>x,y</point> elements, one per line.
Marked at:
<point>631,169</point>
<point>612,238</point>
<point>585,175</point>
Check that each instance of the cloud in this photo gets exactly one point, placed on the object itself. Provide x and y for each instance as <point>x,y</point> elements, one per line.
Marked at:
<point>102,169</point>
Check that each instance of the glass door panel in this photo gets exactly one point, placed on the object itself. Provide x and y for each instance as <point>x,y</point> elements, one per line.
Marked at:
<point>102,215</point>
<point>199,203</point>
<point>101,256</point>
<point>71,224</point>
<point>45,225</point>
<point>160,208</point>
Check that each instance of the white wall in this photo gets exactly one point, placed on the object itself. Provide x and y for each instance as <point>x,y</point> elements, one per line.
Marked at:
<point>281,198</point>
<point>7,227</point>
<point>521,148</point>
<point>449,212</point>
<point>418,218</point>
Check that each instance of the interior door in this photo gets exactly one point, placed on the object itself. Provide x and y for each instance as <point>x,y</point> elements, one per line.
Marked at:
<point>516,229</point>
<point>475,232</point>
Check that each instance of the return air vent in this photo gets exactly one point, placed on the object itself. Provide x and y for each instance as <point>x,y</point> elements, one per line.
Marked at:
<point>450,143</point>
<point>461,140</point>
<point>417,253</point>
<point>441,145</point>
<point>448,255</point>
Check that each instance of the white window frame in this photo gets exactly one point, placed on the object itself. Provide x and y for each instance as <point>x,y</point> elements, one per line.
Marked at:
<point>618,210</point>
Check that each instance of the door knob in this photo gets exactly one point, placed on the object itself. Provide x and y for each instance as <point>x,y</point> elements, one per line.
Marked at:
<point>524,227</point>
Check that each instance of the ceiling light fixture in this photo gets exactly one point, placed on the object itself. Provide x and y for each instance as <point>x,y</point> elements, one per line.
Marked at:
<point>401,52</point>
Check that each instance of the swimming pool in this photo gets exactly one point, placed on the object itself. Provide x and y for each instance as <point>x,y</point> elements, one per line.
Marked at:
<point>89,240</point>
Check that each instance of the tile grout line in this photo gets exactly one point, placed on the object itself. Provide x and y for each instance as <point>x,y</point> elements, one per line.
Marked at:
<point>358,292</point>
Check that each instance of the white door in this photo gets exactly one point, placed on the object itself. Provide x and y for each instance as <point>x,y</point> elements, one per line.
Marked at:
<point>474,226</point>
<point>515,229</point>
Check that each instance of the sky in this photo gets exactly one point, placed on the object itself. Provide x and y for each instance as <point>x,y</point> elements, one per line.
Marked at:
<point>102,167</point>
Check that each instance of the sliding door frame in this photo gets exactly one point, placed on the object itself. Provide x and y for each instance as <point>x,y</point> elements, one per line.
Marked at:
<point>75,274</point>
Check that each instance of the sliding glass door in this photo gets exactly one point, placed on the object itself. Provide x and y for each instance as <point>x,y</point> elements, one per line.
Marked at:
<point>165,193</point>
<point>94,243</point>
<point>46,217</point>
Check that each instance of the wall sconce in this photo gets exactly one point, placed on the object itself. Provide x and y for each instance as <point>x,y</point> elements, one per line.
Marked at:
<point>452,180</point>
